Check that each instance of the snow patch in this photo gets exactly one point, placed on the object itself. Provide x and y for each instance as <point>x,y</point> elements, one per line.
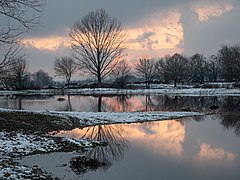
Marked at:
<point>94,118</point>
<point>160,90</point>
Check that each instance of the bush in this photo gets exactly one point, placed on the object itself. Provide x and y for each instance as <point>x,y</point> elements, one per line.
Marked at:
<point>207,85</point>
<point>236,84</point>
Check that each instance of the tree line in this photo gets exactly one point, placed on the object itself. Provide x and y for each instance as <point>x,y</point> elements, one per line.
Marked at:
<point>98,44</point>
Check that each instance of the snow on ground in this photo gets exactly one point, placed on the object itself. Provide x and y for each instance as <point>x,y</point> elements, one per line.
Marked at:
<point>112,91</point>
<point>19,144</point>
<point>16,144</point>
<point>93,118</point>
<point>22,172</point>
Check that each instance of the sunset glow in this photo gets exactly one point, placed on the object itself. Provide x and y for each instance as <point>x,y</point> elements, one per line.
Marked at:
<point>51,43</point>
<point>204,12</point>
<point>164,139</point>
<point>157,34</point>
<point>212,154</point>
<point>158,31</point>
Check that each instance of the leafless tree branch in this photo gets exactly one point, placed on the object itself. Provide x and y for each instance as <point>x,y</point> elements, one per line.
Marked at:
<point>98,42</point>
<point>65,67</point>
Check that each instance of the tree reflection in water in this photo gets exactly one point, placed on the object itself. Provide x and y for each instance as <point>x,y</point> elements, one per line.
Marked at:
<point>69,105</point>
<point>113,135</point>
<point>230,117</point>
<point>20,103</point>
<point>149,105</point>
<point>177,103</point>
<point>122,102</point>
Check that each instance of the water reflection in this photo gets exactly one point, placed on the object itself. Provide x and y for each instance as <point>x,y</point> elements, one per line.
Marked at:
<point>230,116</point>
<point>210,154</point>
<point>165,138</point>
<point>228,111</point>
<point>171,149</point>
<point>161,139</point>
<point>121,103</point>
<point>231,121</point>
<point>113,135</point>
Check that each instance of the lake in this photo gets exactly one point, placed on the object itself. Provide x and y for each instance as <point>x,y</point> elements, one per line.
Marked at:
<point>120,103</point>
<point>190,148</point>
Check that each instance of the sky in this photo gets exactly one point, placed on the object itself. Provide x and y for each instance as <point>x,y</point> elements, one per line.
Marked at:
<point>154,28</point>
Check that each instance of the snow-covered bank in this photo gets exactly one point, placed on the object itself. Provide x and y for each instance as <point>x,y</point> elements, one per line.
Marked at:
<point>112,91</point>
<point>17,144</point>
<point>95,118</point>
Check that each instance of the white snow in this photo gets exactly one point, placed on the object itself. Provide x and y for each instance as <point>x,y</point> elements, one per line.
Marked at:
<point>16,144</point>
<point>18,172</point>
<point>165,90</point>
<point>93,118</point>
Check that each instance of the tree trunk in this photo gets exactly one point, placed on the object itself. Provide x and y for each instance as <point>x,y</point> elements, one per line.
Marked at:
<point>148,85</point>
<point>69,103</point>
<point>68,83</point>
<point>175,83</point>
<point>99,80</point>
<point>100,104</point>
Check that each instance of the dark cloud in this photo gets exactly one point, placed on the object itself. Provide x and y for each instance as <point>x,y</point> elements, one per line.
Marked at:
<point>206,37</point>
<point>202,37</point>
<point>146,41</point>
<point>61,14</point>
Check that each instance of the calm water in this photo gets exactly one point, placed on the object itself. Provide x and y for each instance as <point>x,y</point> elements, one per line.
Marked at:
<point>191,148</point>
<point>203,148</point>
<point>118,103</point>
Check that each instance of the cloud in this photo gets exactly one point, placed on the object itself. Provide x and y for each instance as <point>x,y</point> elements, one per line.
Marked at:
<point>157,31</point>
<point>211,154</point>
<point>155,35</point>
<point>204,12</point>
<point>51,43</point>
<point>146,40</point>
<point>165,138</point>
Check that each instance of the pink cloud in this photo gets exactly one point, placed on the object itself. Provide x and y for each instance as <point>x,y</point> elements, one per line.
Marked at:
<point>204,12</point>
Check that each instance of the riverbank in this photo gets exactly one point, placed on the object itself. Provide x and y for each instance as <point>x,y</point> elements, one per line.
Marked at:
<point>27,133</point>
<point>24,133</point>
<point>159,90</point>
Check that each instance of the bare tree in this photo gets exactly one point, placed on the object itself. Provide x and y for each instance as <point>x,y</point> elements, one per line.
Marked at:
<point>175,68</point>
<point>112,135</point>
<point>19,74</point>
<point>146,69</point>
<point>65,67</point>
<point>122,74</point>
<point>19,17</point>
<point>212,69</point>
<point>229,58</point>
<point>41,79</point>
<point>161,74</point>
<point>9,55</point>
<point>197,68</point>
<point>97,43</point>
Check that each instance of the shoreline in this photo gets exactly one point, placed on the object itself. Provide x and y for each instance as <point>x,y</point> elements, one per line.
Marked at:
<point>171,91</point>
<point>25,133</point>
